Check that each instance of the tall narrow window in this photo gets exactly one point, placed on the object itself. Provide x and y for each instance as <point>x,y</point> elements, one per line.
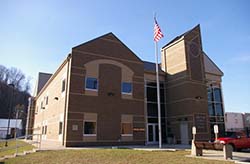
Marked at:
<point>126,88</point>
<point>63,85</point>
<point>91,83</point>
<point>45,129</point>
<point>46,100</point>
<point>60,127</point>
<point>42,105</point>
<point>217,95</point>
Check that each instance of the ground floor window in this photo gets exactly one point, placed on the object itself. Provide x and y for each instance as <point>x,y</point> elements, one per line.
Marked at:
<point>127,129</point>
<point>45,129</point>
<point>89,128</point>
<point>60,127</point>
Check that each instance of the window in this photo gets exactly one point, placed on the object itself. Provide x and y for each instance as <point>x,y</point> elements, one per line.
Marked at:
<point>126,88</point>
<point>152,94</point>
<point>218,109</point>
<point>60,127</point>
<point>74,127</point>
<point>209,94</point>
<point>63,85</point>
<point>45,129</point>
<point>42,105</point>
<point>127,129</point>
<point>89,128</point>
<point>211,109</point>
<point>154,84</point>
<point>91,83</point>
<point>46,100</point>
<point>217,95</point>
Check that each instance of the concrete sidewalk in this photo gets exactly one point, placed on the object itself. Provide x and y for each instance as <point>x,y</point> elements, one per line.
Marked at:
<point>238,157</point>
<point>53,145</point>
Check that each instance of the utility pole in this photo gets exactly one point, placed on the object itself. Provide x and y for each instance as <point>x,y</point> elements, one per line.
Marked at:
<point>10,109</point>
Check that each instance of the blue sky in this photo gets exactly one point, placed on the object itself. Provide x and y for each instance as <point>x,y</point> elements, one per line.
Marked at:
<point>37,35</point>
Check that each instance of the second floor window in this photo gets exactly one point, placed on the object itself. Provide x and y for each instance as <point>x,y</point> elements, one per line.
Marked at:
<point>42,105</point>
<point>46,100</point>
<point>126,88</point>
<point>63,85</point>
<point>91,83</point>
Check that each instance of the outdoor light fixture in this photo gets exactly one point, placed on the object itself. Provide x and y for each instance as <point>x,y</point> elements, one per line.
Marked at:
<point>56,98</point>
<point>198,97</point>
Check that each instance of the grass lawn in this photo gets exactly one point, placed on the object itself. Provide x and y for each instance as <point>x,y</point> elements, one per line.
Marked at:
<point>10,149</point>
<point>108,156</point>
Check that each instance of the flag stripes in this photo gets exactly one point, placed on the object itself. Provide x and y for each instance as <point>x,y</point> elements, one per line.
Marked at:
<point>157,32</point>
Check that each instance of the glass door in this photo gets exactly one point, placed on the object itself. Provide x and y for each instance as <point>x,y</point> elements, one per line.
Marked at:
<point>153,135</point>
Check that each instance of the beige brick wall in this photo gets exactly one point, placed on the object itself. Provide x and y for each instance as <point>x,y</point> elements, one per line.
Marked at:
<point>54,111</point>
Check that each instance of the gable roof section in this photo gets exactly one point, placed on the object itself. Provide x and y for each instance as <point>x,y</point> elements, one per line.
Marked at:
<point>42,80</point>
<point>112,43</point>
<point>180,36</point>
<point>210,66</point>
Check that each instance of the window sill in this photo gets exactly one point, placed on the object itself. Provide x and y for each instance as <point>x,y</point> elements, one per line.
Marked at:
<point>88,89</point>
<point>124,93</point>
<point>127,135</point>
<point>89,135</point>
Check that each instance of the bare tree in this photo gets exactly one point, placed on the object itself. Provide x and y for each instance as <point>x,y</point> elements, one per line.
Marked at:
<point>17,95</point>
<point>3,72</point>
<point>14,76</point>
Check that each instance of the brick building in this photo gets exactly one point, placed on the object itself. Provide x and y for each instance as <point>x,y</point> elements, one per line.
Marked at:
<point>103,94</point>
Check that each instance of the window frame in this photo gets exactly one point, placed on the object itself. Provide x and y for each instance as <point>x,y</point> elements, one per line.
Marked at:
<point>89,135</point>
<point>127,93</point>
<point>41,106</point>
<point>91,89</point>
<point>63,85</point>
<point>46,100</point>
<point>127,134</point>
<point>60,128</point>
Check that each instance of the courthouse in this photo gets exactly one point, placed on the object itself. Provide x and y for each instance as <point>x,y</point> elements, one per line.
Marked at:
<point>103,94</point>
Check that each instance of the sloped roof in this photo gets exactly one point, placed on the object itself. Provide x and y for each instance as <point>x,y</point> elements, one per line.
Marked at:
<point>210,66</point>
<point>180,36</point>
<point>109,36</point>
<point>42,80</point>
<point>149,66</point>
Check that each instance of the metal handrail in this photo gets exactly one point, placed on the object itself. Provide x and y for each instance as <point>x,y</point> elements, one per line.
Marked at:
<point>18,145</point>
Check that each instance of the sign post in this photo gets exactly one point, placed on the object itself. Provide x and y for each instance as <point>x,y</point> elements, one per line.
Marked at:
<point>194,132</point>
<point>194,150</point>
<point>216,131</point>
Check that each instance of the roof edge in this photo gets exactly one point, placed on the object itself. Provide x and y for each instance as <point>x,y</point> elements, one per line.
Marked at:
<point>176,39</point>
<point>53,75</point>
<point>213,63</point>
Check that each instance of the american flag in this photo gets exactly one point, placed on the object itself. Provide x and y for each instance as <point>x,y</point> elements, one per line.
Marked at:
<point>157,32</point>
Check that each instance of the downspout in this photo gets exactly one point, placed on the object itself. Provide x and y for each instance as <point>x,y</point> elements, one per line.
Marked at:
<point>66,100</point>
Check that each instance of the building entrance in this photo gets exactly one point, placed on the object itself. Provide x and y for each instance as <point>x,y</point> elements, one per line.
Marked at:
<point>184,133</point>
<point>153,133</point>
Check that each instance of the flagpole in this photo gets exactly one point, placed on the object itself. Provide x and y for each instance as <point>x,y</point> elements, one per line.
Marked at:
<point>158,94</point>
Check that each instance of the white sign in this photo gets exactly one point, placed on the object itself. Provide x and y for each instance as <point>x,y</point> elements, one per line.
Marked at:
<point>216,129</point>
<point>194,130</point>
